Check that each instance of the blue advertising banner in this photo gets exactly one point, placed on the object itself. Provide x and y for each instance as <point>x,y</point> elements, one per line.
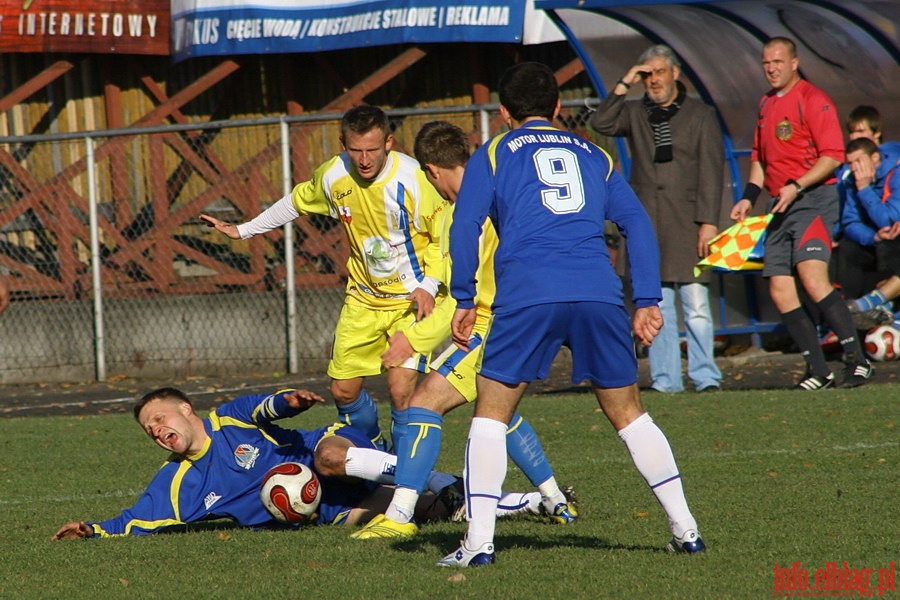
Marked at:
<point>225,27</point>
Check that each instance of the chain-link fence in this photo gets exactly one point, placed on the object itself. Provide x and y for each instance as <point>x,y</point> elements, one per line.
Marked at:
<point>112,273</point>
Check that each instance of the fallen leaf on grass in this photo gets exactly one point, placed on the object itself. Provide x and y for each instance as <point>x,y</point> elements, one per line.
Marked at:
<point>456,577</point>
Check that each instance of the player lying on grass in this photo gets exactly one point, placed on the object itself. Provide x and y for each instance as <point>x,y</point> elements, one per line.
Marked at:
<point>443,150</point>
<point>218,463</point>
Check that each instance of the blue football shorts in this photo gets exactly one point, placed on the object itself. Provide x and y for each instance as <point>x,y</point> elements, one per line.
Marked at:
<point>521,345</point>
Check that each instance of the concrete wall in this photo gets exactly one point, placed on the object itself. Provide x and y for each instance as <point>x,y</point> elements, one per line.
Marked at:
<point>163,337</point>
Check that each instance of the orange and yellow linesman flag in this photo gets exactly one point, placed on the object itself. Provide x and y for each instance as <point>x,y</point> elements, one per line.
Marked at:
<point>731,250</point>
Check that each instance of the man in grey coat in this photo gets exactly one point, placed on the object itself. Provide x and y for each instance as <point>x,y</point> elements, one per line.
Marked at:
<point>677,172</point>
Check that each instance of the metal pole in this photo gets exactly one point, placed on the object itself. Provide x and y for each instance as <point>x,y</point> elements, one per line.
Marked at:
<point>485,126</point>
<point>290,283</point>
<point>99,335</point>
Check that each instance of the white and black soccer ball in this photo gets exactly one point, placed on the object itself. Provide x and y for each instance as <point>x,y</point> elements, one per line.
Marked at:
<point>883,343</point>
<point>291,492</point>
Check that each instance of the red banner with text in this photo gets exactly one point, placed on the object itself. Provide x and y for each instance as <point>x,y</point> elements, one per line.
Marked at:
<point>92,26</point>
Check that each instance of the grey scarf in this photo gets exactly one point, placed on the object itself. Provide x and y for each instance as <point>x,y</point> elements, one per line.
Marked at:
<point>659,122</point>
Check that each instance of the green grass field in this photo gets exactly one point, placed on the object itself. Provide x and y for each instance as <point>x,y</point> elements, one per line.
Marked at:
<point>772,477</point>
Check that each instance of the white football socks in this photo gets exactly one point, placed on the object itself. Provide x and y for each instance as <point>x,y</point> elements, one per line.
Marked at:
<point>653,457</point>
<point>517,503</point>
<point>403,505</point>
<point>485,472</point>
<point>551,494</point>
<point>381,467</point>
<point>370,464</point>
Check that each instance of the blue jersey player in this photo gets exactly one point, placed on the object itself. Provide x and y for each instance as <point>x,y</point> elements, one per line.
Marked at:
<point>548,193</point>
<point>443,150</point>
<point>217,464</point>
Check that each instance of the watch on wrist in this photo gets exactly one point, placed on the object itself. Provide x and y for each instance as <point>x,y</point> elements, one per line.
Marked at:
<point>796,184</point>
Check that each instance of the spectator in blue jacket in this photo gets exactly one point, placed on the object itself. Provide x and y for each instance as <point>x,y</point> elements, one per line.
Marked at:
<point>871,209</point>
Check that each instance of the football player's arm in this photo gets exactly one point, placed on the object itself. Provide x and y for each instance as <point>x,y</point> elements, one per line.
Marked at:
<point>626,211</point>
<point>265,408</point>
<point>275,216</point>
<point>152,512</point>
<point>469,214</point>
<point>430,205</point>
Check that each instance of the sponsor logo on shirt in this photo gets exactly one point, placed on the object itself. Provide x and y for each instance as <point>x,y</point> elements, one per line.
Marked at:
<point>381,257</point>
<point>245,456</point>
<point>437,211</point>
<point>211,498</point>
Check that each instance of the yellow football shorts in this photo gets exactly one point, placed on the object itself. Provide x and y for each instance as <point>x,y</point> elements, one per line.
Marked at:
<point>361,337</point>
<point>460,367</point>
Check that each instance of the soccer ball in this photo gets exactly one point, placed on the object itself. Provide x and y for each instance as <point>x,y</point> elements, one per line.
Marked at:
<point>291,492</point>
<point>883,343</point>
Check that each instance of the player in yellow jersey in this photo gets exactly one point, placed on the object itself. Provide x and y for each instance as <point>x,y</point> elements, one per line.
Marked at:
<point>391,215</point>
<point>443,150</point>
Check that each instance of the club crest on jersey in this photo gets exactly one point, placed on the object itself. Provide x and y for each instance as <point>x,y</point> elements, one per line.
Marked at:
<point>245,456</point>
<point>344,212</point>
<point>396,220</point>
<point>784,131</point>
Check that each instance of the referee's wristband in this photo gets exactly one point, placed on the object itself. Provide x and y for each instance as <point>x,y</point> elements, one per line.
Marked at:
<point>627,85</point>
<point>796,184</point>
<point>751,192</point>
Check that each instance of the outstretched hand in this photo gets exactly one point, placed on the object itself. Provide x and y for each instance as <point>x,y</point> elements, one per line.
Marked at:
<point>228,229</point>
<point>75,530</point>
<point>302,399</point>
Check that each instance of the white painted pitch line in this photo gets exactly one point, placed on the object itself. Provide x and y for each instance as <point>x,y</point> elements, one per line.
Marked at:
<point>74,498</point>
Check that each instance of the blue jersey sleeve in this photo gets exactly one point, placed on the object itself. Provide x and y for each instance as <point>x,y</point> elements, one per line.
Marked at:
<point>260,408</point>
<point>473,205</point>
<point>155,509</point>
<point>630,217</point>
<point>881,201</point>
<point>855,225</point>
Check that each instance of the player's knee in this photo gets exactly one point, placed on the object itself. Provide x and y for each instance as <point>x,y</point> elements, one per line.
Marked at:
<point>329,459</point>
<point>344,392</point>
